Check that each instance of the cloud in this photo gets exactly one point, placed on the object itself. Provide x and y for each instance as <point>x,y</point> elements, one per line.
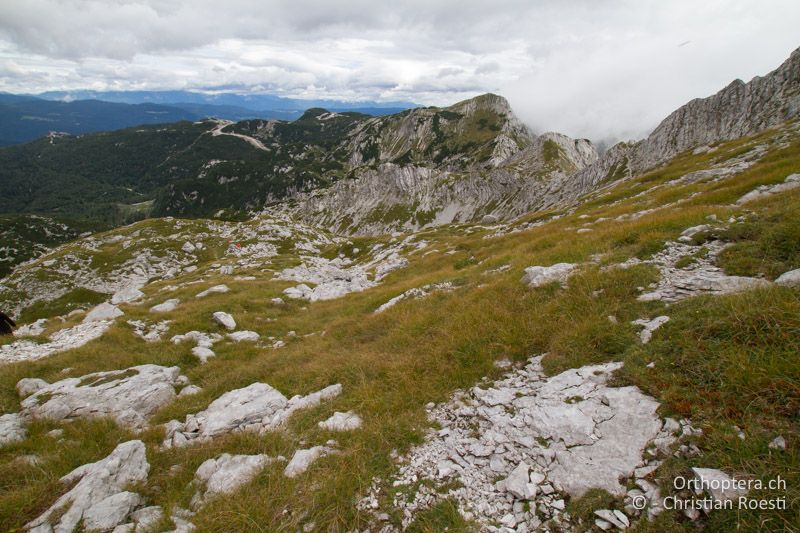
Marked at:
<point>604,70</point>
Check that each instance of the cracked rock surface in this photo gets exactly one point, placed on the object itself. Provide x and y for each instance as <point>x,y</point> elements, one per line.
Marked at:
<point>228,472</point>
<point>100,499</point>
<point>541,437</point>
<point>128,396</point>
<point>12,428</point>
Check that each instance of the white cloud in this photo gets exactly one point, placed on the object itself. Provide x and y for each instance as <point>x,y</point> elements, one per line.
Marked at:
<point>595,69</point>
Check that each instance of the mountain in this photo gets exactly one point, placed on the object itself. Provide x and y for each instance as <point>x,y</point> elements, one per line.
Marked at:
<point>738,110</point>
<point>555,372</point>
<point>230,105</point>
<point>23,119</point>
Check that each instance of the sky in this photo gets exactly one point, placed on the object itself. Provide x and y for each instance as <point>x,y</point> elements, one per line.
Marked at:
<point>600,69</point>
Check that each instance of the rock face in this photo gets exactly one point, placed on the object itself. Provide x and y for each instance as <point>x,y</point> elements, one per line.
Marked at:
<point>12,429</point>
<point>101,498</point>
<point>257,407</point>
<point>128,396</point>
<point>738,110</point>
<point>540,436</point>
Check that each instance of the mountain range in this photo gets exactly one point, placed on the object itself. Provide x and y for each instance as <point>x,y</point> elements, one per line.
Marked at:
<point>434,320</point>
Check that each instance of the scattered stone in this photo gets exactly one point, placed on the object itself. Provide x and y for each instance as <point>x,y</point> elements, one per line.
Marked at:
<point>303,459</point>
<point>188,247</point>
<point>649,326</point>
<point>417,292</point>
<point>257,407</point>
<point>615,518</point>
<point>718,484</point>
<point>31,330</point>
<point>166,307</point>
<point>211,290</point>
<point>149,332</point>
<point>128,396</point>
<point>60,341</point>
<point>541,436</point>
<point>778,443</point>
<point>536,276</point>
<point>55,433</point>
<point>147,518</point>
<point>12,429</point>
<point>104,311</point>
<point>225,320</point>
<point>342,422</point>
<point>100,498</point>
<point>277,301</point>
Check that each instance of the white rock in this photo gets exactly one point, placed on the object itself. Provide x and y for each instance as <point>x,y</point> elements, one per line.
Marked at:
<point>649,326</point>
<point>127,295</point>
<point>128,396</point>
<point>189,391</point>
<point>718,484</point>
<point>277,301</point>
<point>211,290</point>
<point>302,460</point>
<point>612,518</point>
<point>536,276</point>
<point>104,311</point>
<point>257,407</point>
<point>12,429</point>
<point>778,443</point>
<point>27,386</point>
<point>227,472</point>
<point>166,306</point>
<point>100,494</point>
<point>188,247</point>
<point>789,279</point>
<point>244,336</point>
<point>148,517</point>
<point>342,422</point>
<point>518,482</point>
<point>31,330</point>
<point>203,353</point>
<point>791,182</point>
<point>225,320</point>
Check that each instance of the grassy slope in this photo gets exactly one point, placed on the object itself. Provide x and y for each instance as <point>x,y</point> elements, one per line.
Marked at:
<point>722,361</point>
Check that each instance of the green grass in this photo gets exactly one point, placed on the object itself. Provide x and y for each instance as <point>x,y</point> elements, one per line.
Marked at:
<point>723,361</point>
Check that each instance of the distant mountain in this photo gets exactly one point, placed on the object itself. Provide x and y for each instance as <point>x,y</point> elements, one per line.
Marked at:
<point>25,118</point>
<point>229,105</point>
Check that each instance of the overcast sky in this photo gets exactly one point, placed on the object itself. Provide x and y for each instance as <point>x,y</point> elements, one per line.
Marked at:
<point>587,68</point>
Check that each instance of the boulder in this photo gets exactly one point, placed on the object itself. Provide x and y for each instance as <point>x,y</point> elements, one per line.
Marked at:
<point>243,336</point>
<point>789,279</point>
<point>127,295</point>
<point>27,386</point>
<point>128,396</point>
<point>100,498</point>
<point>227,472</point>
<point>225,320</point>
<point>303,459</point>
<point>341,422</point>
<point>718,484</point>
<point>211,290</point>
<point>166,306</point>
<point>536,276</point>
<point>12,429</point>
